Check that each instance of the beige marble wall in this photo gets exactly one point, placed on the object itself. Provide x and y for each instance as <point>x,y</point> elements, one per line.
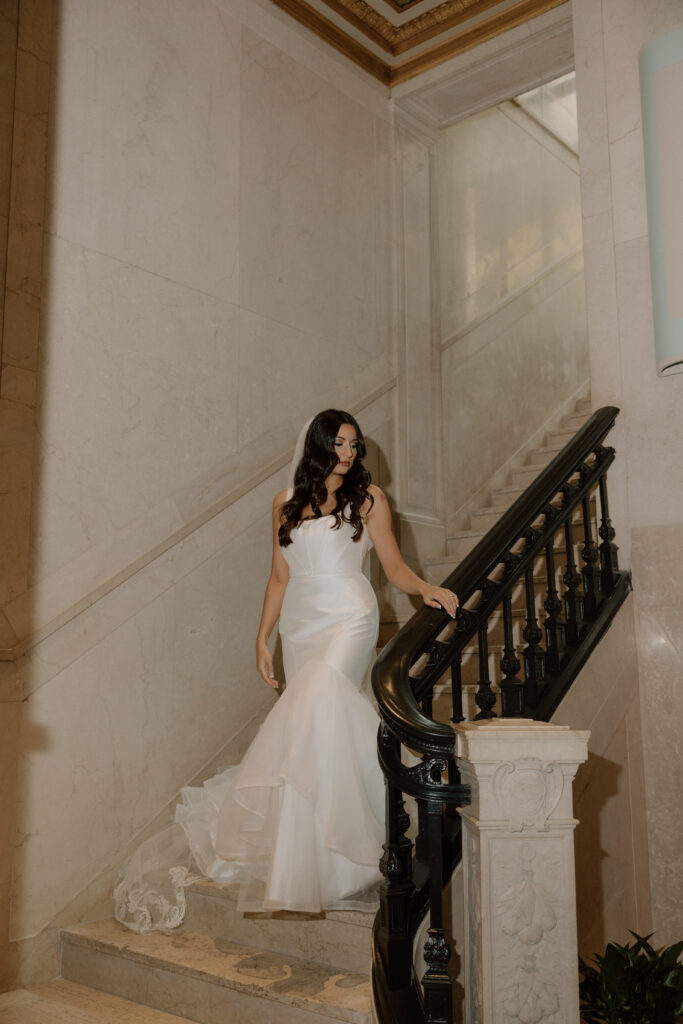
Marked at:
<point>512,316</point>
<point>612,879</point>
<point>647,485</point>
<point>216,269</point>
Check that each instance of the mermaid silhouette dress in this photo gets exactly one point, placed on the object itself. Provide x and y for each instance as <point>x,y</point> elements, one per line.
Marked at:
<point>299,823</point>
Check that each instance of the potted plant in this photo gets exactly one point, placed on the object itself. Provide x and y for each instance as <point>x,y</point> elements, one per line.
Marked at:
<point>633,984</point>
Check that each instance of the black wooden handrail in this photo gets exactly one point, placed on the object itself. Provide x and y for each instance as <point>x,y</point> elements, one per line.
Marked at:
<point>390,675</point>
<point>579,607</point>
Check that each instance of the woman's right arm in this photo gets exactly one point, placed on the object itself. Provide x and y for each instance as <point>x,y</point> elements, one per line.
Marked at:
<point>272,602</point>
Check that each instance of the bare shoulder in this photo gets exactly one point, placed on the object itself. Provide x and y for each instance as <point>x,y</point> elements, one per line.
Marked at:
<point>378,502</point>
<point>279,500</point>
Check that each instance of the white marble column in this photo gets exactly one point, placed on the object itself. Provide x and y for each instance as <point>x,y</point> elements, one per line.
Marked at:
<point>518,859</point>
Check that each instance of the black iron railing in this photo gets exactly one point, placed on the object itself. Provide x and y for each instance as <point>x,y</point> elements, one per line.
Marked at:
<point>557,536</point>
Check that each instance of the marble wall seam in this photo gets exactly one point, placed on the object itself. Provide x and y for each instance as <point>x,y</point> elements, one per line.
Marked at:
<point>39,612</point>
<point>543,284</point>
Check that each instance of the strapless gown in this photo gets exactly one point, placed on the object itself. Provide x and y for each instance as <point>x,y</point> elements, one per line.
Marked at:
<point>299,823</point>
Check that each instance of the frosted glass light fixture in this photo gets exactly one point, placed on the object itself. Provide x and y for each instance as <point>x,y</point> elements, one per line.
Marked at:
<point>661,91</point>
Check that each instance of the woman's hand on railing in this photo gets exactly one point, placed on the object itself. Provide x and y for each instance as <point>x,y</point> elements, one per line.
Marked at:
<point>440,597</point>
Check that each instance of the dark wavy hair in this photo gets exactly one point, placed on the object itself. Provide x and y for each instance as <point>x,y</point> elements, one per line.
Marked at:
<point>317,462</point>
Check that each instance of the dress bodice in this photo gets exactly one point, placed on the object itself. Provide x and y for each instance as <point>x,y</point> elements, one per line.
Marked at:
<point>318,548</point>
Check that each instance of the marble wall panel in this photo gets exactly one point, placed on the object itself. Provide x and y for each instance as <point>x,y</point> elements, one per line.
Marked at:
<point>307,214</point>
<point>117,732</point>
<point>510,385</point>
<point>657,553</point>
<point>146,152</point>
<point>507,209</point>
<point>611,859</point>
<point>139,376</point>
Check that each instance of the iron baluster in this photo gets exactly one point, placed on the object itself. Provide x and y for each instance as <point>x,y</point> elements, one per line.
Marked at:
<point>437,984</point>
<point>427,702</point>
<point>555,640</point>
<point>609,561</point>
<point>456,689</point>
<point>397,887</point>
<point>573,598</point>
<point>534,655</point>
<point>485,698</point>
<point>511,687</point>
<point>592,575</point>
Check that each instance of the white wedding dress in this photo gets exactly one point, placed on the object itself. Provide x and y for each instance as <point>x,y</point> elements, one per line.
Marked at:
<point>299,823</point>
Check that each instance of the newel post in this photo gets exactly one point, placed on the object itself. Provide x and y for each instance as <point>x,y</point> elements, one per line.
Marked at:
<point>518,861</point>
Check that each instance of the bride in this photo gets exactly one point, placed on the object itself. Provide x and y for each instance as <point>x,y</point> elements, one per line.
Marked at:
<point>299,823</point>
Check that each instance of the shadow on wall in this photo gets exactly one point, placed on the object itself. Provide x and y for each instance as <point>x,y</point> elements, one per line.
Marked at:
<point>28,43</point>
<point>597,780</point>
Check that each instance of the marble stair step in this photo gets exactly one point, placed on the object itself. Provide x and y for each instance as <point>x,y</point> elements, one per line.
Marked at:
<point>437,569</point>
<point>483,519</point>
<point>334,938</point>
<point>63,1002</point>
<point>210,980</point>
<point>560,437</point>
<point>584,406</point>
<point>540,457</point>
<point>573,421</point>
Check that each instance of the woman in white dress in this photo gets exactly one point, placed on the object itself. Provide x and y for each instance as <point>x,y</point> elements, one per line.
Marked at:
<point>299,823</point>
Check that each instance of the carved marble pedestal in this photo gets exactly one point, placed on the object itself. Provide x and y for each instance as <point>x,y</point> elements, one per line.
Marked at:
<point>518,860</point>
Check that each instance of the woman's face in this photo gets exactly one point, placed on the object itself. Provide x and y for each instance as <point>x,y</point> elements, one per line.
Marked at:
<point>345,447</point>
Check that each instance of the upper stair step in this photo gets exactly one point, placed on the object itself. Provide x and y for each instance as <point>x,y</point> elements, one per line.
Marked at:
<point>574,421</point>
<point>338,938</point>
<point>63,1002</point>
<point>210,980</point>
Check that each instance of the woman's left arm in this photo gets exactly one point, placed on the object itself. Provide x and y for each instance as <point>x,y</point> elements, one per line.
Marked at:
<point>379,527</point>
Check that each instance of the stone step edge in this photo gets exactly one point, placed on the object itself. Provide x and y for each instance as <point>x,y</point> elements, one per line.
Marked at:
<point>71,996</point>
<point>226,891</point>
<point>86,937</point>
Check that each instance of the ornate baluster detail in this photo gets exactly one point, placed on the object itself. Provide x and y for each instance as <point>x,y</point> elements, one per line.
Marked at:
<point>573,598</point>
<point>511,687</point>
<point>555,640</point>
<point>534,656</point>
<point>456,689</point>
<point>609,561</point>
<point>427,703</point>
<point>592,575</point>
<point>485,698</point>
<point>437,984</point>
<point>397,887</point>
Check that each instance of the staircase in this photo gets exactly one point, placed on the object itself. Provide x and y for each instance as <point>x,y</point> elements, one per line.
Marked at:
<point>220,967</point>
<point>223,966</point>
<point>538,589</point>
<point>398,607</point>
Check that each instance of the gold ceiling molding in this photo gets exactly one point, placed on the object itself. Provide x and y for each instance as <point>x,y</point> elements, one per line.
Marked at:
<point>401,5</point>
<point>398,39</point>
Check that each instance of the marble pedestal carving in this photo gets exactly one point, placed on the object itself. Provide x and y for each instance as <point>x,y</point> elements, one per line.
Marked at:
<point>518,860</point>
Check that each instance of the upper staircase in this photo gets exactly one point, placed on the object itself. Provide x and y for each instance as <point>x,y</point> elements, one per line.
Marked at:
<point>223,966</point>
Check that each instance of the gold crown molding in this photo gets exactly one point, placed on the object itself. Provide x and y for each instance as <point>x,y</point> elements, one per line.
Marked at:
<point>480,33</point>
<point>317,23</point>
<point>401,6</point>
<point>462,41</point>
<point>396,39</point>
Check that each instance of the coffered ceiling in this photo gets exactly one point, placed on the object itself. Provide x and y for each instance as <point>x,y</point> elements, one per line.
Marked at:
<point>395,40</point>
